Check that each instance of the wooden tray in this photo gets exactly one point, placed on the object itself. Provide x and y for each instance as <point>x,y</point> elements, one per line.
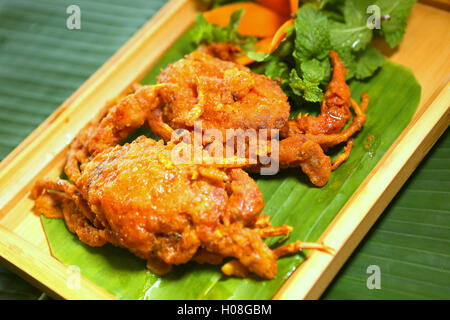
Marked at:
<point>23,245</point>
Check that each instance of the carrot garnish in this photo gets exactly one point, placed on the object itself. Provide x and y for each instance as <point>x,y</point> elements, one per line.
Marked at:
<point>256,21</point>
<point>280,35</point>
<point>293,6</point>
<point>282,7</point>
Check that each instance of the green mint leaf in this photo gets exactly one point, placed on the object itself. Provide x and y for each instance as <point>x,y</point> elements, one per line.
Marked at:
<point>206,33</point>
<point>326,67</point>
<point>235,18</point>
<point>354,33</point>
<point>201,30</point>
<point>312,35</point>
<point>277,69</point>
<point>393,29</point>
<point>313,70</point>
<point>355,37</point>
<point>259,56</point>
<point>308,90</point>
<point>355,11</point>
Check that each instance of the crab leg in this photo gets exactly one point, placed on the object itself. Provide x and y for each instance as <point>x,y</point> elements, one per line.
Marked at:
<point>242,243</point>
<point>263,221</point>
<point>343,156</point>
<point>309,155</point>
<point>72,208</point>
<point>334,110</point>
<point>330,140</point>
<point>296,246</point>
<point>282,230</point>
<point>237,269</point>
<point>42,187</point>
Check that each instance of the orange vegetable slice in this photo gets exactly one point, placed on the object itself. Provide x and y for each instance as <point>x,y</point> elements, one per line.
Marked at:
<point>256,21</point>
<point>282,7</point>
<point>293,6</point>
<point>280,34</point>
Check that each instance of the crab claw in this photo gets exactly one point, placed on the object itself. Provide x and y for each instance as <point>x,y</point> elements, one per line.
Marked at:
<point>309,155</point>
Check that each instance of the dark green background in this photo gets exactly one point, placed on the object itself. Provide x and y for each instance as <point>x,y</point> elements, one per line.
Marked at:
<point>42,63</point>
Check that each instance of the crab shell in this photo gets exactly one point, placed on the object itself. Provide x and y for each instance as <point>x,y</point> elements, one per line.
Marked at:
<point>173,213</point>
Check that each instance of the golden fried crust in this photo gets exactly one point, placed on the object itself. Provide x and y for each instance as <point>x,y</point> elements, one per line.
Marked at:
<point>298,151</point>
<point>148,202</point>
<point>222,50</point>
<point>222,94</point>
<point>135,197</point>
<point>154,207</point>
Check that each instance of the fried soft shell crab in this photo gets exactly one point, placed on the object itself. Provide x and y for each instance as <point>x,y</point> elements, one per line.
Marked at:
<point>224,95</point>
<point>135,197</point>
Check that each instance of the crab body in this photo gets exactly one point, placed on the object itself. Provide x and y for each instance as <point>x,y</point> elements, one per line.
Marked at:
<point>135,197</point>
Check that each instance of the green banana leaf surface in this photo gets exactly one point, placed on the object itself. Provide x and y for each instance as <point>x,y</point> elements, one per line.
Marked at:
<point>289,199</point>
<point>42,63</point>
<point>410,243</point>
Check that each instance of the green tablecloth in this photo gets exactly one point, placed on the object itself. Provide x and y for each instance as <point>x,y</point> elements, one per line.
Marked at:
<point>42,63</point>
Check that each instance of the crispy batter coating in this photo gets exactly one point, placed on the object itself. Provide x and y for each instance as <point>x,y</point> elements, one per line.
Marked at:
<point>222,50</point>
<point>135,197</point>
<point>222,95</point>
<point>305,139</point>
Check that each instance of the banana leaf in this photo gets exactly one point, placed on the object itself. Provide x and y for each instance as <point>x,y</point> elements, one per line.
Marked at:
<point>411,241</point>
<point>12,287</point>
<point>42,63</point>
<point>32,60</point>
<point>289,199</point>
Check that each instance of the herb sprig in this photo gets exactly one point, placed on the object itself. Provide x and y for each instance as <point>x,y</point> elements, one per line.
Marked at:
<point>206,33</point>
<point>301,61</point>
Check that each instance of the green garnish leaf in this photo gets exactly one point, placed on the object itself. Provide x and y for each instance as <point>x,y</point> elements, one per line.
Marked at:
<point>312,35</point>
<point>258,56</point>
<point>235,18</point>
<point>353,34</point>
<point>277,69</point>
<point>301,87</point>
<point>313,70</point>
<point>321,26</point>
<point>354,37</point>
<point>393,28</point>
<point>206,33</point>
